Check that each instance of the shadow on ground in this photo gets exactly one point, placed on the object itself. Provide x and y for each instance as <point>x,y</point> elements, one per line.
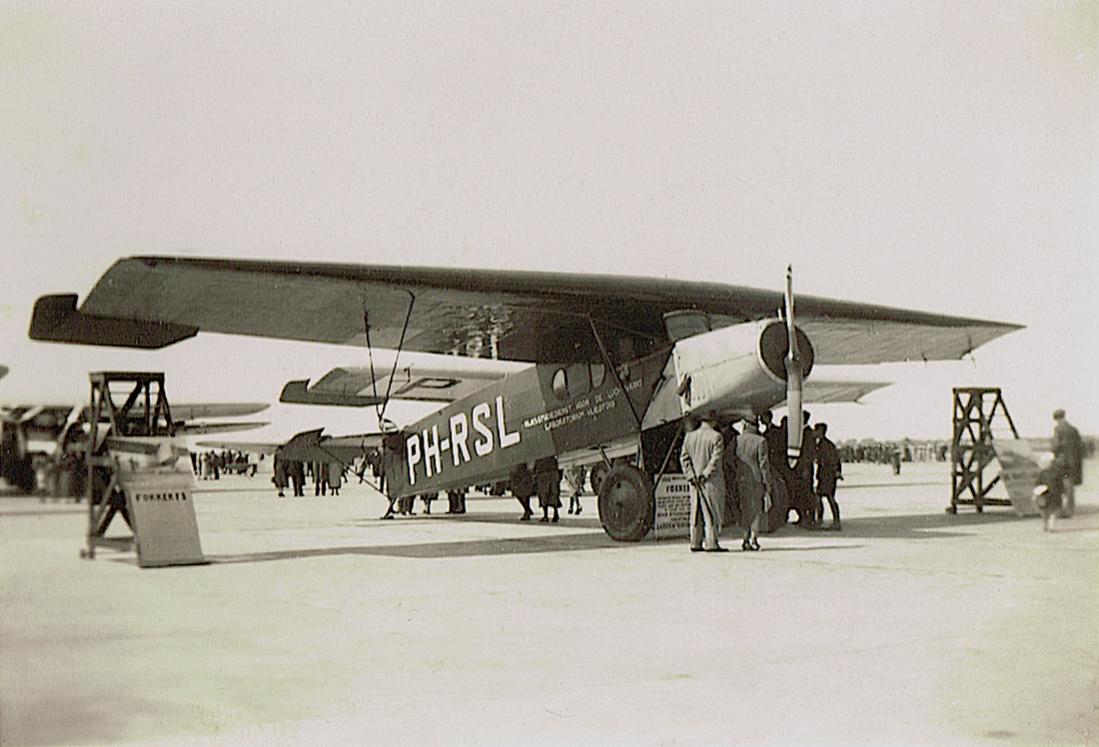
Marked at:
<point>914,526</point>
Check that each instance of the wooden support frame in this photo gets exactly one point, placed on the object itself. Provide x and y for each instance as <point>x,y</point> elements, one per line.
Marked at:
<point>975,413</point>
<point>143,412</point>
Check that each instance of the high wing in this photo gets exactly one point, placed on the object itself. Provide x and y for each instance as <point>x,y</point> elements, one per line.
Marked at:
<point>150,302</point>
<point>445,381</point>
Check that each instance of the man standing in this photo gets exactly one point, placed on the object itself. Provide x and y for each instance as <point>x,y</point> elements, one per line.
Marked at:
<point>700,458</point>
<point>1068,448</point>
<point>799,480</point>
<point>829,470</point>
<point>753,483</point>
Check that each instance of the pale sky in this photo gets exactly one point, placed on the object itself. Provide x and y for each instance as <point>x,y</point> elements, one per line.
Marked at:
<point>942,157</point>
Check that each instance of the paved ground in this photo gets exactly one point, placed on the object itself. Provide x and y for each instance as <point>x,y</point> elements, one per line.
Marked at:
<point>319,624</point>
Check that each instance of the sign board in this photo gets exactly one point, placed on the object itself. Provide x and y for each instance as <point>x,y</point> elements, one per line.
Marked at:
<point>163,515</point>
<point>673,508</point>
<point>1019,473</point>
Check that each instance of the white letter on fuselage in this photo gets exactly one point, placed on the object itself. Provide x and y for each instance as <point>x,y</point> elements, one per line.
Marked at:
<point>412,447</point>
<point>459,430</point>
<point>482,445</point>
<point>506,439</point>
<point>431,451</point>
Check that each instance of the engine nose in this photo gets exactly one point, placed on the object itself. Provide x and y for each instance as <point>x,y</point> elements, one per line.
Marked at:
<point>774,344</point>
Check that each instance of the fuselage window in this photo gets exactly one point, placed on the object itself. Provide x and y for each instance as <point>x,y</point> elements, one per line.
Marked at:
<point>598,375</point>
<point>561,384</point>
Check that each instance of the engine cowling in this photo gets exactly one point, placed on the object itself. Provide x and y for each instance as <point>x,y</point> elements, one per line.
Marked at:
<point>738,369</point>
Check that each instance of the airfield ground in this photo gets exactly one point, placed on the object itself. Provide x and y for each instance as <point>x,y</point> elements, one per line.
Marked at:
<point>319,624</point>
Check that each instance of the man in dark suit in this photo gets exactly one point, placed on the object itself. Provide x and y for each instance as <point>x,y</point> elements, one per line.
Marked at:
<point>829,471</point>
<point>1068,448</point>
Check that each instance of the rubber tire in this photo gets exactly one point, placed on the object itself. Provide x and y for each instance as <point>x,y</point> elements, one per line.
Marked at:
<point>598,474</point>
<point>626,504</point>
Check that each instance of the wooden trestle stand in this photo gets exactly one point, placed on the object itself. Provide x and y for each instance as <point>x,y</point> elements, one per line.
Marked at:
<point>132,470</point>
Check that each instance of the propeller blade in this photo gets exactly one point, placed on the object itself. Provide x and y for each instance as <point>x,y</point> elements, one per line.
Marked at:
<point>794,420</point>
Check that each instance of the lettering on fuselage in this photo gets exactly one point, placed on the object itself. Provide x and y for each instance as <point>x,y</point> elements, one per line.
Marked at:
<point>477,433</point>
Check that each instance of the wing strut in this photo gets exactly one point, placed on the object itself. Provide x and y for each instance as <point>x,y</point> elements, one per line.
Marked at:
<point>379,409</point>
<point>614,371</point>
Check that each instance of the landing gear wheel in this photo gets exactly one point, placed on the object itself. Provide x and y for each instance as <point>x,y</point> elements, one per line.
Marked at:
<point>598,474</point>
<point>626,503</point>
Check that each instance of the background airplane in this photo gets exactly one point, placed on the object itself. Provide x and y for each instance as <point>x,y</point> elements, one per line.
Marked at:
<point>44,443</point>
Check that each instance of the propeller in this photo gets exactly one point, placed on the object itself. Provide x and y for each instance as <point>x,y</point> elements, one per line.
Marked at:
<point>794,419</point>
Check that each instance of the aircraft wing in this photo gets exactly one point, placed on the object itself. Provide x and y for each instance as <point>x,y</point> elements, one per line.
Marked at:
<point>826,391</point>
<point>151,302</point>
<point>360,387</point>
<point>201,429</point>
<point>193,411</point>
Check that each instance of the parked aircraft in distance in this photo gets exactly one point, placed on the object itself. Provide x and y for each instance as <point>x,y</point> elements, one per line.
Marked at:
<point>616,361</point>
<point>50,438</point>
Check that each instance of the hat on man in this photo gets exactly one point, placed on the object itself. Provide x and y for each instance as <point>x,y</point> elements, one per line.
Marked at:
<point>1058,414</point>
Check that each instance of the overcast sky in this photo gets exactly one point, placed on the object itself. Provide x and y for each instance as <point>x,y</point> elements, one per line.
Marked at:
<point>942,157</point>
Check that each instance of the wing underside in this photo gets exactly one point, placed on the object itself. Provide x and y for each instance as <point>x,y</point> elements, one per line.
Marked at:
<point>522,316</point>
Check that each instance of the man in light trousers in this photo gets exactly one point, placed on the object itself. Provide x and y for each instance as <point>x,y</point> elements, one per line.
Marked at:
<point>700,458</point>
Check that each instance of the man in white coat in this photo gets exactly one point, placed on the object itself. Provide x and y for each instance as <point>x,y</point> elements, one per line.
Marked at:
<point>700,458</point>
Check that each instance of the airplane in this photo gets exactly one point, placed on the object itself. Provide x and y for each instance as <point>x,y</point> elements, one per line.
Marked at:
<point>54,435</point>
<point>440,379</point>
<point>613,363</point>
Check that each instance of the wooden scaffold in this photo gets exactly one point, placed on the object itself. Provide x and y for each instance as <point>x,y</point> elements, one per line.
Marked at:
<point>978,412</point>
<point>143,412</point>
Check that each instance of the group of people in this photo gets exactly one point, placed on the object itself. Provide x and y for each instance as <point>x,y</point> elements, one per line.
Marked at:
<point>327,477</point>
<point>1062,470</point>
<point>742,474</point>
<point>544,481</point>
<point>210,464</point>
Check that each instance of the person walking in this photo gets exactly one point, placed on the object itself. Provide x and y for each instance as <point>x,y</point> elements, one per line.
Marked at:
<point>700,458</point>
<point>1049,492</point>
<point>753,483</point>
<point>522,487</point>
<point>280,477</point>
<point>574,478</point>
<point>1068,448</point>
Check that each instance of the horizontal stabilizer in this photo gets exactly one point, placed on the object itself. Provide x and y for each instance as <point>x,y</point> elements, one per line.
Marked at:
<point>299,393</point>
<point>359,386</point>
